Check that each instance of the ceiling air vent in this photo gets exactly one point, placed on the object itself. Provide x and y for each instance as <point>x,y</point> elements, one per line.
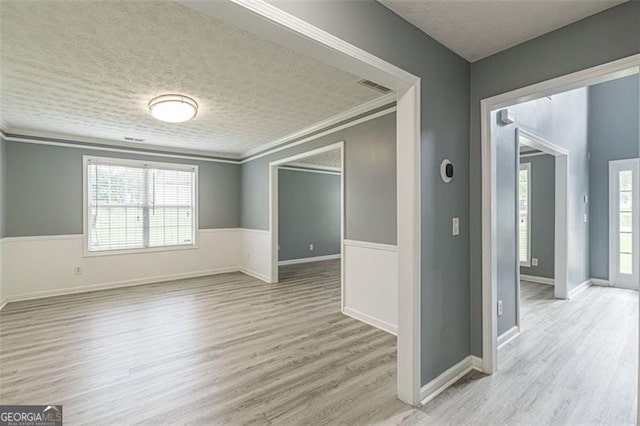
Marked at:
<point>375,86</point>
<point>130,139</point>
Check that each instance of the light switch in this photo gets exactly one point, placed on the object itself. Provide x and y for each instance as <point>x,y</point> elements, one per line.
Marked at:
<point>456,226</point>
<point>534,261</point>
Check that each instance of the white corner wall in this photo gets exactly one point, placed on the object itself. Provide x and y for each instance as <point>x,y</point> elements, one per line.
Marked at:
<point>44,266</point>
<point>371,283</point>
<point>256,253</point>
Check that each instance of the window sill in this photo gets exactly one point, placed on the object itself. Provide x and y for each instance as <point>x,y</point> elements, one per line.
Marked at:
<point>88,253</point>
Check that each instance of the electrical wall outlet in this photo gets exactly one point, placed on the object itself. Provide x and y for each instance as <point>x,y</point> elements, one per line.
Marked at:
<point>500,308</point>
<point>455,225</point>
<point>534,261</point>
<point>311,247</point>
<point>77,270</point>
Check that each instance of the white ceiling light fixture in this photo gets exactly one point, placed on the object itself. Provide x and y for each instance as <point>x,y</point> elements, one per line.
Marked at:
<point>173,108</point>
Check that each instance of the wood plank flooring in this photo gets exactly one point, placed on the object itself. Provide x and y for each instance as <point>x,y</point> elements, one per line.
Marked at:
<point>575,362</point>
<point>214,350</point>
<point>229,349</point>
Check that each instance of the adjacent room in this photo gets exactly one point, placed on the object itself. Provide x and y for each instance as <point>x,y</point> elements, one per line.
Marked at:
<point>568,268</point>
<point>141,198</point>
<point>310,194</point>
<point>369,212</point>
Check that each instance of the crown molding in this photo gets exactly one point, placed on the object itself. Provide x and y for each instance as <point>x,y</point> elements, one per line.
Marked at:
<point>83,141</point>
<point>310,170</point>
<point>51,141</point>
<point>301,165</point>
<point>348,118</point>
<point>322,133</point>
<point>324,124</point>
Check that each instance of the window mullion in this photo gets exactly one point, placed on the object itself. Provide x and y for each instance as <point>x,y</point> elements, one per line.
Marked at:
<point>145,209</point>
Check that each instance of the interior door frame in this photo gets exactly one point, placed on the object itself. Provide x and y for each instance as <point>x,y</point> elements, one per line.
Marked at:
<point>274,225</point>
<point>598,74</point>
<point>561,216</point>
<point>615,166</point>
<point>268,21</point>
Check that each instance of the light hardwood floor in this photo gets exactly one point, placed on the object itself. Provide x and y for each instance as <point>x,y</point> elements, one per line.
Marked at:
<point>575,362</point>
<point>220,349</point>
<point>230,349</point>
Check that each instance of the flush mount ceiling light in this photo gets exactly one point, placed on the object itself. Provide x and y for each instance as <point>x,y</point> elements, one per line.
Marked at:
<point>173,108</point>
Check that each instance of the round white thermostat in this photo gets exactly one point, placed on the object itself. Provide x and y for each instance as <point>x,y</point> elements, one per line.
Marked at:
<point>446,171</point>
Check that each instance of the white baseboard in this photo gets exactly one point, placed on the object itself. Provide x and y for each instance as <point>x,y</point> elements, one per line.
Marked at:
<point>582,286</point>
<point>382,325</point>
<point>309,259</point>
<point>438,385</point>
<point>508,336</point>
<point>600,282</point>
<point>3,303</point>
<point>118,284</point>
<point>369,245</point>
<point>255,274</point>
<point>535,279</point>
<point>476,363</point>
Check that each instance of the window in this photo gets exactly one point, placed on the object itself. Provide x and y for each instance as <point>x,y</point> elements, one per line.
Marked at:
<point>138,205</point>
<point>524,214</point>
<point>625,229</point>
<point>624,223</point>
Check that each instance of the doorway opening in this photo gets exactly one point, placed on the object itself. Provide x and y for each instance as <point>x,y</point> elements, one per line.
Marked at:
<point>560,208</point>
<point>268,21</point>
<point>541,200</point>
<point>324,171</point>
<point>493,260</point>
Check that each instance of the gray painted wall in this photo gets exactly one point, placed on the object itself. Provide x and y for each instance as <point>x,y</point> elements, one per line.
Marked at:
<point>370,181</point>
<point>445,134</point>
<point>3,188</point>
<point>562,121</point>
<point>614,117</point>
<point>51,176</point>
<point>308,213</point>
<point>543,205</point>
<point>605,37</point>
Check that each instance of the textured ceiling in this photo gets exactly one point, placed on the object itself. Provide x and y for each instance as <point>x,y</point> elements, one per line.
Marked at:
<point>476,29</point>
<point>326,159</point>
<point>88,69</point>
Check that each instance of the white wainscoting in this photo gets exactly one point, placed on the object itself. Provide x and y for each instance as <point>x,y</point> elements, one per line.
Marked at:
<point>371,283</point>
<point>44,266</point>
<point>255,259</point>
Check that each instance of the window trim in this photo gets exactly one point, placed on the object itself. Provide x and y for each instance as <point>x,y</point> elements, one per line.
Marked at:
<point>86,159</point>
<point>527,167</point>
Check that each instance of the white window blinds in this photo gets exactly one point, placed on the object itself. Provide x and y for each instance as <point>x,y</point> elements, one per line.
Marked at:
<point>137,205</point>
